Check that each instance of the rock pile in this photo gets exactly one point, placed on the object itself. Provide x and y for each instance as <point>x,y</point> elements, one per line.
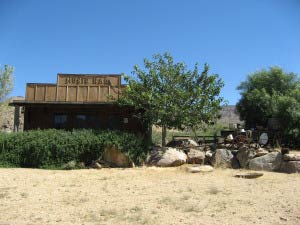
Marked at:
<point>245,156</point>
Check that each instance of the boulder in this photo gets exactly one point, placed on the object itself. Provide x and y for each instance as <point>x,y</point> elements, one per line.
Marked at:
<point>166,157</point>
<point>185,142</point>
<point>200,169</point>
<point>244,156</point>
<point>222,158</point>
<point>195,156</point>
<point>290,167</point>
<point>268,162</point>
<point>291,157</point>
<point>116,158</point>
<point>235,163</point>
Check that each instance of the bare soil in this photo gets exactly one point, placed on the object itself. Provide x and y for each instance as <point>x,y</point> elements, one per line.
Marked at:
<point>147,196</point>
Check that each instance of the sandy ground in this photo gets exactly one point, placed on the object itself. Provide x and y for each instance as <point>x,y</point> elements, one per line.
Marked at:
<point>146,196</point>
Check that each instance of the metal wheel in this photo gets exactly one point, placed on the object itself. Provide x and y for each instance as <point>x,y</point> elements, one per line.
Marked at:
<point>239,141</point>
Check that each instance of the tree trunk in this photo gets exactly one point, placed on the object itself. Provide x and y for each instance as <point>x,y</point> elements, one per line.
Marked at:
<point>163,135</point>
<point>149,136</point>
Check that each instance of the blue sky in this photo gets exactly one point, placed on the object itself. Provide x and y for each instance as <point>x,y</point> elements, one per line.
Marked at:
<point>42,38</point>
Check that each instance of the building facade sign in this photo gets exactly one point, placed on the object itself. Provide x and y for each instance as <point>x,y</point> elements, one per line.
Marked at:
<point>88,80</point>
<point>77,88</point>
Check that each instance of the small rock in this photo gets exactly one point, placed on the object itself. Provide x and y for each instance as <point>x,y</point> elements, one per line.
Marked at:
<point>104,164</point>
<point>283,219</point>
<point>96,165</point>
<point>285,151</point>
<point>209,154</point>
<point>208,157</point>
<point>254,145</point>
<point>198,169</point>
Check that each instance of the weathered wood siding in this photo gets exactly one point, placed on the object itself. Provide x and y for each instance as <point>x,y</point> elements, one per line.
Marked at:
<point>40,92</point>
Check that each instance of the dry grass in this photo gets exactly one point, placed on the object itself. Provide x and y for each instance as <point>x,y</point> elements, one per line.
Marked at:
<point>146,196</point>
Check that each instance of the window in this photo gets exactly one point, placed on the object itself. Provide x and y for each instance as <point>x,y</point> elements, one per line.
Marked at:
<point>60,121</point>
<point>114,122</point>
<point>81,121</point>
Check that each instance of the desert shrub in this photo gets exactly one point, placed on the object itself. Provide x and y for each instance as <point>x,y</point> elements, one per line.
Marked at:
<point>53,148</point>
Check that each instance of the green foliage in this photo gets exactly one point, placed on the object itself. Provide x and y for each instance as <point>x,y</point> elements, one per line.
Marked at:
<point>167,94</point>
<point>271,94</point>
<point>6,81</point>
<point>53,148</point>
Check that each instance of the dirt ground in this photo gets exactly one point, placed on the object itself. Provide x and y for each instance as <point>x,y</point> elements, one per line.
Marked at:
<point>147,196</point>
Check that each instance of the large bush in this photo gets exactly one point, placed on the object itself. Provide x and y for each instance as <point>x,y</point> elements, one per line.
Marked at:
<point>53,148</point>
<point>268,94</point>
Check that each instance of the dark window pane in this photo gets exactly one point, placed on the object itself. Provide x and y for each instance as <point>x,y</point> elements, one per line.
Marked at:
<point>114,122</point>
<point>60,121</point>
<point>81,121</point>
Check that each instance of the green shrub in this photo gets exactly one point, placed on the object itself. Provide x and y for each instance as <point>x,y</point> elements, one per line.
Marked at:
<point>53,148</point>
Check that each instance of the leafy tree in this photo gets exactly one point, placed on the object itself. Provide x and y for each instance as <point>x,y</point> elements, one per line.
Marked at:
<point>268,94</point>
<point>167,94</point>
<point>6,81</point>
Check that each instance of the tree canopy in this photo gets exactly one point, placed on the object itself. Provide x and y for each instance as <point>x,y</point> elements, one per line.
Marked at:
<point>6,81</point>
<point>271,93</point>
<point>167,94</point>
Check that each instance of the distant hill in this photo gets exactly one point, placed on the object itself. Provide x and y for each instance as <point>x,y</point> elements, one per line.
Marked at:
<point>7,115</point>
<point>229,115</point>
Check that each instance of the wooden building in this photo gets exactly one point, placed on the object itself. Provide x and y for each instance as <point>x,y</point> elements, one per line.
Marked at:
<point>77,101</point>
